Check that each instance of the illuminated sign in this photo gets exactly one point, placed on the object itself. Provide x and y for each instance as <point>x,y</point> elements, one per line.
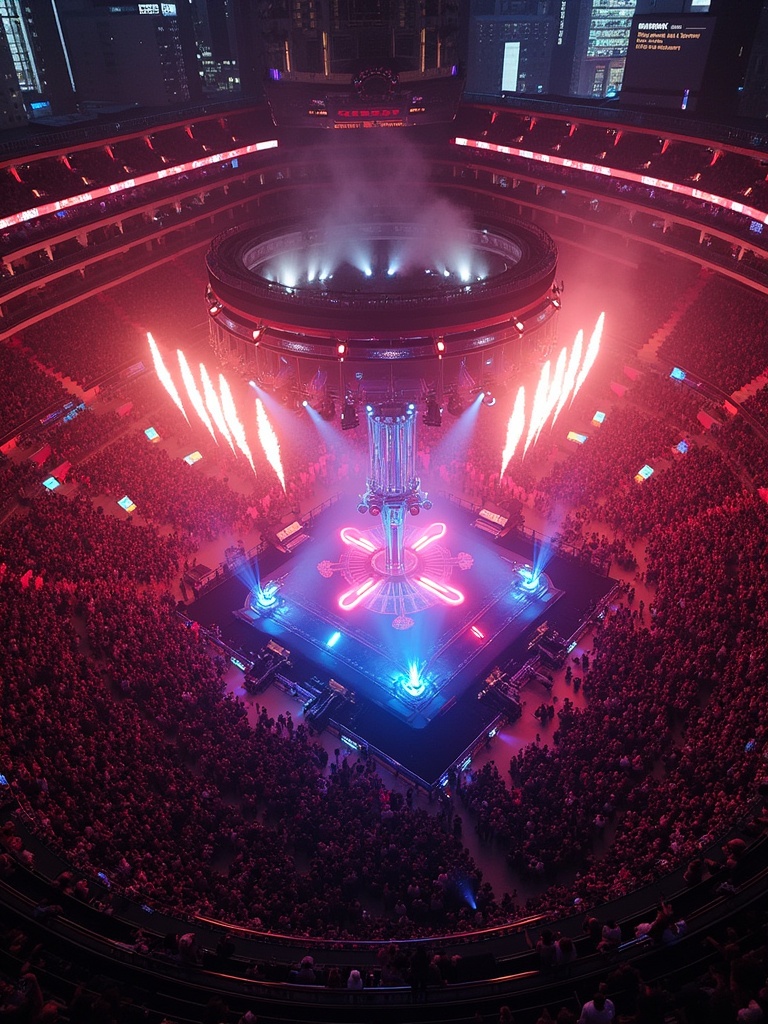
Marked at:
<point>369,124</point>
<point>510,67</point>
<point>365,112</point>
<point>666,60</point>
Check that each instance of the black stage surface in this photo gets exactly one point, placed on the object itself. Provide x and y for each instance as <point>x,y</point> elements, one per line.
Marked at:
<point>425,734</point>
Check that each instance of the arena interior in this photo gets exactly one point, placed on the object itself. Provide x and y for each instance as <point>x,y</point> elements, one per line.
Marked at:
<point>528,774</point>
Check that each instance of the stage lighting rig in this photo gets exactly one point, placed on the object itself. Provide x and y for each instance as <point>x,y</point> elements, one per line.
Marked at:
<point>433,414</point>
<point>349,417</point>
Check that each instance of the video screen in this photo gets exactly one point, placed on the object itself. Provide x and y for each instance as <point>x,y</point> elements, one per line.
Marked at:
<point>666,60</point>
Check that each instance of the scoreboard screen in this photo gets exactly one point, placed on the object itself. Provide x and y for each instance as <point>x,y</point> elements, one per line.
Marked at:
<point>666,60</point>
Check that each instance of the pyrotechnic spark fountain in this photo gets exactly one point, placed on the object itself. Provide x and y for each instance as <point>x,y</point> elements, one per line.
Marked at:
<point>233,422</point>
<point>194,394</point>
<point>570,373</point>
<point>164,376</point>
<point>539,404</point>
<point>214,406</point>
<point>591,354</point>
<point>515,429</point>
<point>269,442</point>
<point>555,390</point>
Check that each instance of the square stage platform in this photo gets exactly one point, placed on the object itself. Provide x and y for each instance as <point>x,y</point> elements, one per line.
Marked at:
<point>415,671</point>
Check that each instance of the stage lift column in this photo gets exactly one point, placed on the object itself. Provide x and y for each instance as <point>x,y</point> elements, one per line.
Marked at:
<point>393,485</point>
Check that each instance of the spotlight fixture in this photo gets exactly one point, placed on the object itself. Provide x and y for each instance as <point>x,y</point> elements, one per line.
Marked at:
<point>440,347</point>
<point>433,415</point>
<point>341,351</point>
<point>520,325</point>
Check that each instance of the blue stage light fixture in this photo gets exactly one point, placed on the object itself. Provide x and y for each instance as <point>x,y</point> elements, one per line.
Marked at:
<point>529,579</point>
<point>413,684</point>
<point>264,598</point>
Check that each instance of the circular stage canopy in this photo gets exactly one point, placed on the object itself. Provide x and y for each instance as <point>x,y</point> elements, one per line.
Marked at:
<point>382,289</point>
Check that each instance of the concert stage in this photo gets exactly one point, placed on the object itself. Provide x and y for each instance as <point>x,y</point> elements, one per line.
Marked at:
<point>408,658</point>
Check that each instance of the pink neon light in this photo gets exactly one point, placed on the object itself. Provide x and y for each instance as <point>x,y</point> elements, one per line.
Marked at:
<point>144,179</point>
<point>448,595</point>
<point>610,172</point>
<point>355,539</point>
<point>430,535</point>
<point>351,598</point>
<point>478,632</point>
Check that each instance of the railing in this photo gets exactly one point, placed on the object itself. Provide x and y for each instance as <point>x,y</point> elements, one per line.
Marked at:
<point>221,263</point>
<point>101,131</point>
<point>746,137</point>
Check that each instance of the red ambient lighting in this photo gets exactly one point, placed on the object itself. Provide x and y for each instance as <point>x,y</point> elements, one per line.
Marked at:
<point>143,179</point>
<point>610,172</point>
<point>372,112</point>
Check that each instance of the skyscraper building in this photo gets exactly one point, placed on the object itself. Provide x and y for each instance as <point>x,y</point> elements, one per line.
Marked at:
<point>131,53</point>
<point>12,111</point>
<point>600,47</point>
<point>216,45</point>
<point>510,47</point>
<point>40,57</point>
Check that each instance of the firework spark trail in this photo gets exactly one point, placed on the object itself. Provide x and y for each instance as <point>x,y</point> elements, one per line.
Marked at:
<point>233,421</point>
<point>539,403</point>
<point>555,391</point>
<point>515,429</point>
<point>591,354</point>
<point>214,406</point>
<point>269,442</point>
<point>165,378</point>
<point>194,394</point>
<point>570,373</point>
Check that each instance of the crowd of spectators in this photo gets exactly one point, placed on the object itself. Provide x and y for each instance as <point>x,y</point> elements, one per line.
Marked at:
<point>268,788</point>
<point>137,766</point>
<point>166,490</point>
<point>721,337</point>
<point>118,736</point>
<point>65,342</point>
<point>749,446</point>
<point>25,388</point>
<point>70,541</point>
<point>650,671</point>
<point>119,318</point>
